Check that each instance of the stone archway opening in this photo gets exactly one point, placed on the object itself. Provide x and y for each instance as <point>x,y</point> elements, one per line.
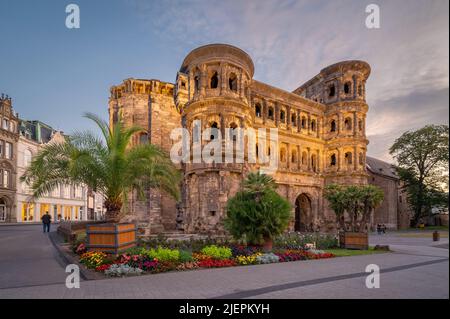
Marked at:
<point>302,213</point>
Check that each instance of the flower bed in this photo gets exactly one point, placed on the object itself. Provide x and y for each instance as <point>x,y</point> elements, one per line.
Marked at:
<point>141,260</point>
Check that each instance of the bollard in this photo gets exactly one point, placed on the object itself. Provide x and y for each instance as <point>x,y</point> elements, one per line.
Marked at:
<point>436,235</point>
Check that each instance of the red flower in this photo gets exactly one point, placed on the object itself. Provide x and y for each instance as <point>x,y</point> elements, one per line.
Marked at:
<point>102,268</point>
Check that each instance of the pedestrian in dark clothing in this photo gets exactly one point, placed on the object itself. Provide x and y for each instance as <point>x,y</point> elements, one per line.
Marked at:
<point>379,229</point>
<point>384,228</point>
<point>46,221</point>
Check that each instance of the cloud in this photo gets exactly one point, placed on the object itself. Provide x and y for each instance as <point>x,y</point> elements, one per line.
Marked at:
<point>290,41</point>
<point>388,120</point>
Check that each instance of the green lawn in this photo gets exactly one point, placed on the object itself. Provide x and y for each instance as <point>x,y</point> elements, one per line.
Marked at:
<point>443,228</point>
<point>340,252</point>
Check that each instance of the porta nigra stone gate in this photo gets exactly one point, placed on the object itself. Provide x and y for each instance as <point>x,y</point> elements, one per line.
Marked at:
<point>321,135</point>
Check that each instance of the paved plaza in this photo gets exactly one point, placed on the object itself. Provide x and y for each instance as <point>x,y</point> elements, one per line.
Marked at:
<point>30,267</point>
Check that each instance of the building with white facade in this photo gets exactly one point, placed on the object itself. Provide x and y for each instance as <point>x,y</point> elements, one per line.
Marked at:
<point>67,202</point>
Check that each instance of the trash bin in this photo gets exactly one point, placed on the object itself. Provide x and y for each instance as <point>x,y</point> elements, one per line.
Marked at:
<point>436,236</point>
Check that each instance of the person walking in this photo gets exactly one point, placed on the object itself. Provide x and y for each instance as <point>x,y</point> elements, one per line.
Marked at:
<point>46,221</point>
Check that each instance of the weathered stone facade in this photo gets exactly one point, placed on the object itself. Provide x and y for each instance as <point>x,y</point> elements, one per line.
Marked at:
<point>394,211</point>
<point>9,136</point>
<point>321,135</point>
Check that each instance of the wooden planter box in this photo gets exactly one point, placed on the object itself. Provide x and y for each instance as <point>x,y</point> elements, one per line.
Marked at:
<point>110,238</point>
<point>350,240</point>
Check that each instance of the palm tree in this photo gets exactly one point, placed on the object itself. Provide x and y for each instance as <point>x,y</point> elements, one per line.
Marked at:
<point>108,165</point>
<point>257,184</point>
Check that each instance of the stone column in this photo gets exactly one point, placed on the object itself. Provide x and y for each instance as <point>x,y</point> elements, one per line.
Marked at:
<point>308,123</point>
<point>318,126</point>
<point>264,111</point>
<point>223,73</point>
<point>319,161</point>
<point>241,85</point>
<point>203,80</point>
<point>339,159</point>
<point>299,121</point>
<point>308,159</point>
<point>277,114</point>
<point>355,124</point>
<point>288,155</point>
<point>339,123</point>
<point>288,119</point>
<point>355,158</point>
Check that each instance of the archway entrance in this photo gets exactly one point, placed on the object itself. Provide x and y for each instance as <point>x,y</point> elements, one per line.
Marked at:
<point>302,213</point>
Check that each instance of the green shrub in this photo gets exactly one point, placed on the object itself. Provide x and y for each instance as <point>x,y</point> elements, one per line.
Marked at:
<point>162,254</point>
<point>185,256</point>
<point>217,252</point>
<point>257,213</point>
<point>135,251</point>
<point>294,240</point>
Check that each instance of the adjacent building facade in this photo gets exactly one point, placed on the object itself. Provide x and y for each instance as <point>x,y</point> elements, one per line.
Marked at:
<point>67,202</point>
<point>394,211</point>
<point>9,137</point>
<point>321,136</point>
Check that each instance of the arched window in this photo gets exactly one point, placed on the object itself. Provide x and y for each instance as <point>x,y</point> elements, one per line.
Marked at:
<point>270,115</point>
<point>361,159</point>
<point>333,160</point>
<point>258,110</point>
<point>232,82</point>
<point>348,158</point>
<point>27,158</point>
<point>331,90</point>
<point>348,123</point>
<point>294,156</point>
<point>303,122</point>
<point>294,119</point>
<point>214,130</point>
<point>214,83</point>
<point>196,83</point>
<point>143,138</point>
<point>233,131</point>
<point>304,158</point>
<point>115,116</point>
<point>347,87</point>
<point>360,90</point>
<point>283,154</point>
<point>268,151</point>
<point>314,163</point>
<point>313,125</point>
<point>282,116</point>
<point>333,126</point>
<point>360,125</point>
<point>196,132</point>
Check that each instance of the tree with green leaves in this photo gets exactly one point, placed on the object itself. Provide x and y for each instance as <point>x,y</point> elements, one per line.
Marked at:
<point>335,195</point>
<point>370,197</point>
<point>257,213</point>
<point>108,165</point>
<point>359,201</point>
<point>423,157</point>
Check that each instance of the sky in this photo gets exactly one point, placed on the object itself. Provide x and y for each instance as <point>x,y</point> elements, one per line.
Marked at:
<point>55,74</point>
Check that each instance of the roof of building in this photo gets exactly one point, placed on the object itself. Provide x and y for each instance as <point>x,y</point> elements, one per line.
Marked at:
<point>380,167</point>
<point>36,131</point>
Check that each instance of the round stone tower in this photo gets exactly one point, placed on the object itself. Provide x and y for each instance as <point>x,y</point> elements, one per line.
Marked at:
<point>213,96</point>
<point>343,92</point>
